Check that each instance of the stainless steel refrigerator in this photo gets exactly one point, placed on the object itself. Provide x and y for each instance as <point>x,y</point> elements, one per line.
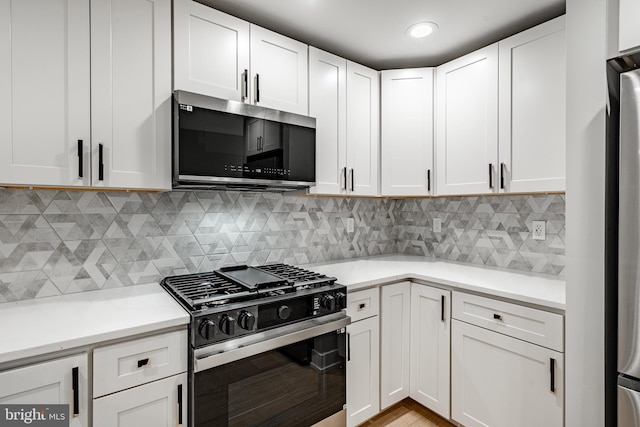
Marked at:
<point>623,157</point>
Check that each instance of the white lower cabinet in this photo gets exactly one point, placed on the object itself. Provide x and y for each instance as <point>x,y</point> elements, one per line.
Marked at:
<point>158,404</point>
<point>395,321</point>
<point>60,381</point>
<point>507,365</point>
<point>363,370</point>
<point>141,382</point>
<point>430,347</point>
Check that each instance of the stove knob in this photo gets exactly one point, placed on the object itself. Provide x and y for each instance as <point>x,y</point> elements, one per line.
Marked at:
<point>328,302</point>
<point>284,312</point>
<point>341,300</point>
<point>228,325</point>
<point>246,320</point>
<point>207,329</point>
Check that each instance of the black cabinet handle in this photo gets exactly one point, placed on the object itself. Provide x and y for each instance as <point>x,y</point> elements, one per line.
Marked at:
<point>352,181</point>
<point>552,372</point>
<point>490,175</point>
<point>246,83</point>
<point>442,308</point>
<point>80,155</point>
<point>428,179</point>
<point>100,162</point>
<point>143,362</point>
<point>76,392</point>
<point>497,316</point>
<point>502,174</point>
<point>179,404</point>
<point>348,347</point>
<point>257,88</point>
<point>344,175</point>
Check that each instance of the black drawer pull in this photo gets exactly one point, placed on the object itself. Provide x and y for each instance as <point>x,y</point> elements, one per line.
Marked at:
<point>100,163</point>
<point>179,404</point>
<point>428,179</point>
<point>442,308</point>
<point>552,372</point>
<point>257,88</point>
<point>143,362</point>
<point>348,347</point>
<point>490,175</point>
<point>246,83</point>
<point>497,316</point>
<point>80,155</point>
<point>502,174</point>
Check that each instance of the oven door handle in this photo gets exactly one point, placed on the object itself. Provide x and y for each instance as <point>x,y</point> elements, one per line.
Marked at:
<point>240,348</point>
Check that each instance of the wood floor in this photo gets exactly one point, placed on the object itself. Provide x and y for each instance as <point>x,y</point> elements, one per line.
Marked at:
<point>407,413</point>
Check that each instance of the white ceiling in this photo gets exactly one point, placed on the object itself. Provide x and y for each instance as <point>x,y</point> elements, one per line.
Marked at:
<point>372,32</point>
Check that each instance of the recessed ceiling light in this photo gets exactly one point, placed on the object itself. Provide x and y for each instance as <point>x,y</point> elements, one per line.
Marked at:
<point>421,29</point>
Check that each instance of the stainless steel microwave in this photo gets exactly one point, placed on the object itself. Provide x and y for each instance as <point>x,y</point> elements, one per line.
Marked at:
<point>221,144</point>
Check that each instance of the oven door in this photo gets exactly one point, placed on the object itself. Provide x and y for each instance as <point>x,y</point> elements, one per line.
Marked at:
<point>290,376</point>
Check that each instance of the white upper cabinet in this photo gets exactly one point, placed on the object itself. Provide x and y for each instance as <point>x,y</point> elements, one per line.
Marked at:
<point>407,132</point>
<point>279,71</point>
<point>44,92</point>
<point>532,116</point>
<point>629,31</point>
<point>225,57</point>
<point>211,51</point>
<point>328,104</point>
<point>467,123</point>
<point>131,93</point>
<point>344,97</point>
<point>363,130</point>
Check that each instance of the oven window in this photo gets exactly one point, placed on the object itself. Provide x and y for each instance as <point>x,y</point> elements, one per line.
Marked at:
<point>296,385</point>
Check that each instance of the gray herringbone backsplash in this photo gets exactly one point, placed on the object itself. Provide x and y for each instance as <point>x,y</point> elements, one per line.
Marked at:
<point>58,242</point>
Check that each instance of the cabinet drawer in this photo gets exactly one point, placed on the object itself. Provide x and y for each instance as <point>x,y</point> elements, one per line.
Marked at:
<point>529,324</point>
<point>363,304</point>
<point>128,364</point>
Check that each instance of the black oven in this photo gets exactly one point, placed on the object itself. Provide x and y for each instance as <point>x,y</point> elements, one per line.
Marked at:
<point>289,376</point>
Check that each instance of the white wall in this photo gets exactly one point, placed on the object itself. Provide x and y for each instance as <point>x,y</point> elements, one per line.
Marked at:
<point>586,101</point>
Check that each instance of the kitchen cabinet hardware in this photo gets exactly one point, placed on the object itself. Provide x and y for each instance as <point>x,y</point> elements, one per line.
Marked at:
<point>352,181</point>
<point>502,175</point>
<point>442,308</point>
<point>100,162</point>
<point>429,180</point>
<point>348,347</point>
<point>344,176</point>
<point>76,392</point>
<point>490,175</point>
<point>246,83</point>
<point>143,362</point>
<point>497,316</point>
<point>257,88</point>
<point>179,404</point>
<point>552,374</point>
<point>80,172</point>
<point>361,306</point>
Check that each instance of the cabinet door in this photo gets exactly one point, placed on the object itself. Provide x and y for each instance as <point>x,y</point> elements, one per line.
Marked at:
<point>407,132</point>
<point>44,92</point>
<point>394,349</point>
<point>430,347</point>
<point>363,371</point>
<point>499,381</point>
<point>533,109</point>
<point>49,383</point>
<point>328,104</point>
<point>629,32</point>
<point>363,130</point>
<point>161,403</point>
<point>211,51</point>
<point>279,70</point>
<point>467,124</point>
<point>131,93</point>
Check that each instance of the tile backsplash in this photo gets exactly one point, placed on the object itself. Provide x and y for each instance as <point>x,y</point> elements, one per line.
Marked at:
<point>58,242</point>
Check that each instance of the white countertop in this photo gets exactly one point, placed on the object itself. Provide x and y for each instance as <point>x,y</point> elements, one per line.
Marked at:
<point>45,325</point>
<point>542,290</point>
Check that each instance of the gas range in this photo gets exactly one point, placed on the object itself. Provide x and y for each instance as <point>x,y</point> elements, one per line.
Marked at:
<point>241,300</point>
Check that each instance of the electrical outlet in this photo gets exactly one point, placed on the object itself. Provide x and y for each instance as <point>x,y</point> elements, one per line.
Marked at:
<point>350,225</point>
<point>437,225</point>
<point>539,232</point>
